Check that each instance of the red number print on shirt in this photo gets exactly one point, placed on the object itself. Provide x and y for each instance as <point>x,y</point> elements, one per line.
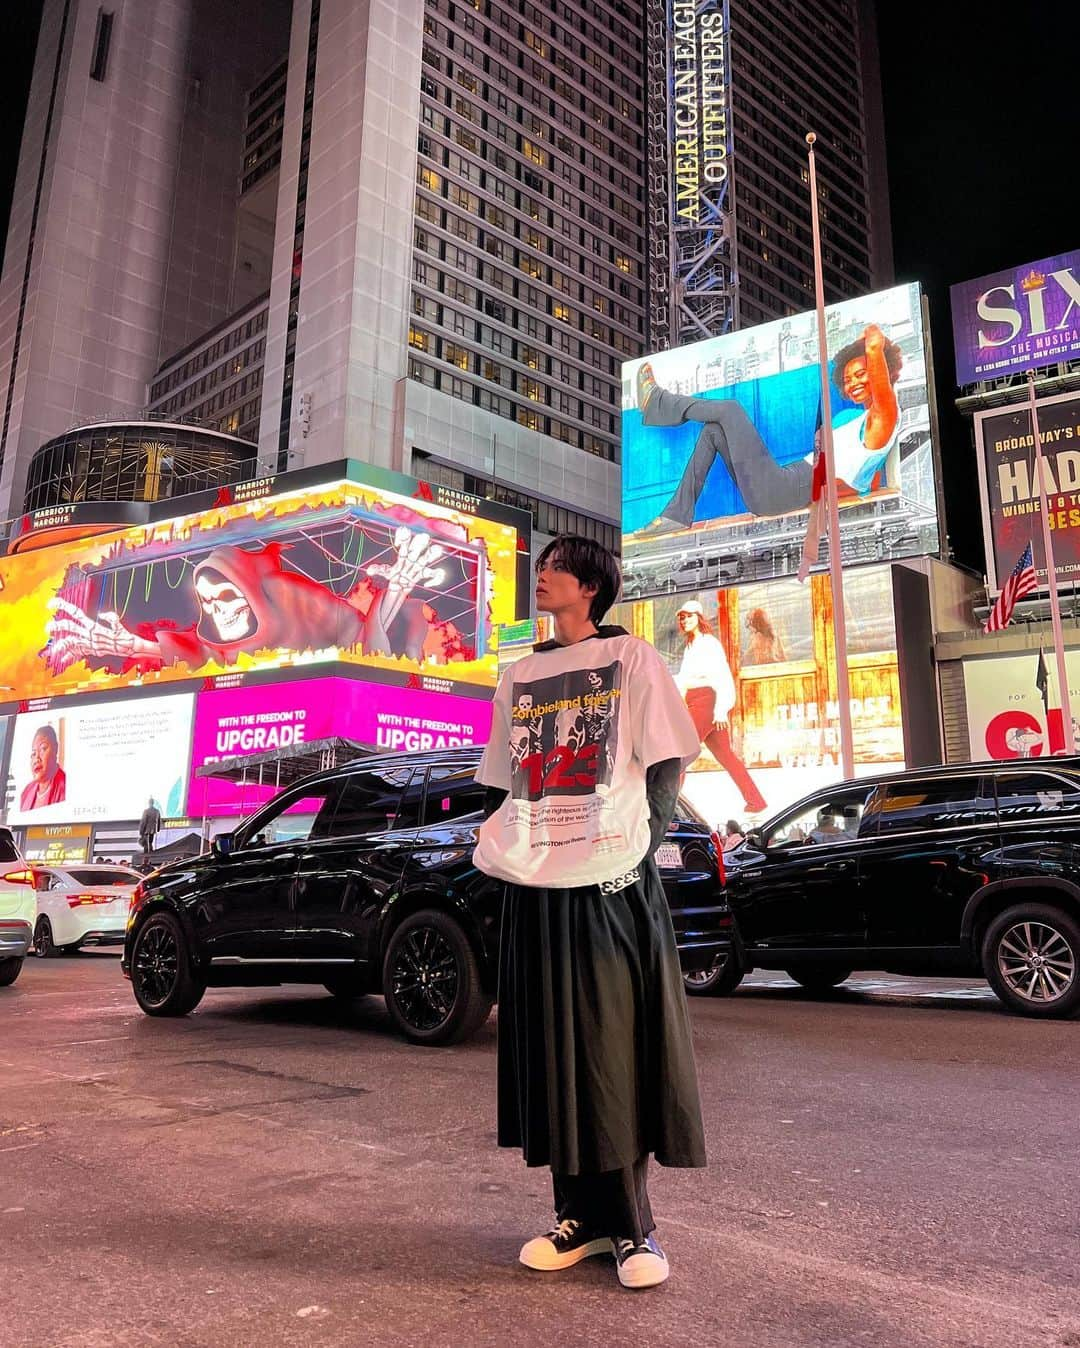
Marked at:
<point>561,768</point>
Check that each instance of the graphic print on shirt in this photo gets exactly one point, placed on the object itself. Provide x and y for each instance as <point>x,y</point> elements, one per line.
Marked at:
<point>564,733</point>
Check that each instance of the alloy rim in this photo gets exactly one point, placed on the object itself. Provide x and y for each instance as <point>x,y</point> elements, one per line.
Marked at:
<point>1036,961</point>
<point>43,938</point>
<point>701,978</point>
<point>156,963</point>
<point>424,978</point>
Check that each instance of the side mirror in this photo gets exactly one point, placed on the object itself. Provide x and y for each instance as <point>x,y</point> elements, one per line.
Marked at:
<point>754,838</point>
<point>223,845</point>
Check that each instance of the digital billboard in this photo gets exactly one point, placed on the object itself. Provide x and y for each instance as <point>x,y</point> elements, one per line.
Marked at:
<point>1017,320</point>
<point>756,667</point>
<point>245,722</point>
<point>352,572</point>
<point>1007,717</point>
<point>719,440</point>
<point>72,762</point>
<point>57,844</point>
<point>1010,489</point>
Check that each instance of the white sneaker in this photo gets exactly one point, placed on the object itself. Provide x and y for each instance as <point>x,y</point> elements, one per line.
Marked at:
<point>643,1265</point>
<point>564,1245</point>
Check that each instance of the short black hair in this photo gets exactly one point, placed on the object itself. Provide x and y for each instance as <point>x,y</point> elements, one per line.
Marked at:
<point>856,350</point>
<point>589,563</point>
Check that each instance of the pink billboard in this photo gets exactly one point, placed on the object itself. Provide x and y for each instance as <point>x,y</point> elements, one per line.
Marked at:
<point>239,722</point>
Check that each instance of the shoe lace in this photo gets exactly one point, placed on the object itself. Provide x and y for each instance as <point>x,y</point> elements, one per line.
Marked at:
<point>565,1229</point>
<point>624,1244</point>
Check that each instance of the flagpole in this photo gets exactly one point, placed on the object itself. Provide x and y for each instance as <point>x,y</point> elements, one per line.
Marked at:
<point>836,570</point>
<point>1051,576</point>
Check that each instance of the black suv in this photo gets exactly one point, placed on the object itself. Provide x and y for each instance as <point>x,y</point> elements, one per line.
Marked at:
<point>361,880</point>
<point>968,870</point>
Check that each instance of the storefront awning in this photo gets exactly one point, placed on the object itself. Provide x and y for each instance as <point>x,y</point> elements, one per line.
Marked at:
<point>281,767</point>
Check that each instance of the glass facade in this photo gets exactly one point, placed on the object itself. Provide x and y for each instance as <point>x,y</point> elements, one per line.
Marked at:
<point>788,78</point>
<point>528,245</point>
<point>218,381</point>
<point>263,127</point>
<point>134,461</point>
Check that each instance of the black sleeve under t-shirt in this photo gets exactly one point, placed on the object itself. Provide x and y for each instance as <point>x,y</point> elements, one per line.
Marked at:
<point>662,793</point>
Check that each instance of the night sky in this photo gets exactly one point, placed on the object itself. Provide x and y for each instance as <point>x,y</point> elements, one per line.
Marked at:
<point>983,138</point>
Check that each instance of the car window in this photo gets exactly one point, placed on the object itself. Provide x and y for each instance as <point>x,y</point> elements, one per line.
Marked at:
<point>452,796</point>
<point>827,820</point>
<point>909,806</point>
<point>100,875</point>
<point>1027,795</point>
<point>8,850</point>
<point>372,802</point>
<point>44,881</point>
<point>270,825</point>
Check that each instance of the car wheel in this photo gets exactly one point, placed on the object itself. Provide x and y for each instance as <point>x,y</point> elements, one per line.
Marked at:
<point>44,945</point>
<point>162,978</point>
<point>431,980</point>
<point>10,968</point>
<point>719,980</point>
<point>818,977</point>
<point>1031,958</point>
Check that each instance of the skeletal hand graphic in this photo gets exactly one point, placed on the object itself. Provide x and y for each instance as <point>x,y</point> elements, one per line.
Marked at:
<point>74,635</point>
<point>415,565</point>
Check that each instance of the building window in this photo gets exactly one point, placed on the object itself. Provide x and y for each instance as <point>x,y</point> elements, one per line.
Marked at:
<point>419,339</point>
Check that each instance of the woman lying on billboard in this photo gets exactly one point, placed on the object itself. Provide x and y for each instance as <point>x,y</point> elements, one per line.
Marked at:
<point>864,372</point>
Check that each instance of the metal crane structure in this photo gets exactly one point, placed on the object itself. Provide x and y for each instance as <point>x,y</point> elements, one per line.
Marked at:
<point>693,274</point>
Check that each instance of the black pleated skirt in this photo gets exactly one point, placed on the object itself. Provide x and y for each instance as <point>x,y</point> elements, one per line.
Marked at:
<point>596,1068</point>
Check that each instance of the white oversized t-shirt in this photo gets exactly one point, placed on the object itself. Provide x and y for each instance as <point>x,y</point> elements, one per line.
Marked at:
<point>573,730</point>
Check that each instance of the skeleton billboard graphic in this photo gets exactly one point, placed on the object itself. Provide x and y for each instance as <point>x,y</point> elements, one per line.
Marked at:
<point>344,573</point>
<point>564,733</point>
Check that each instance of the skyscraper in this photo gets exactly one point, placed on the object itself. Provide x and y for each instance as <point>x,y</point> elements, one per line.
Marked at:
<point>122,242</point>
<point>733,87</point>
<point>449,222</point>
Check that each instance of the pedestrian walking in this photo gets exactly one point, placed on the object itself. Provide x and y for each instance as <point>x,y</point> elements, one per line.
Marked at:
<point>596,1072</point>
<point>706,681</point>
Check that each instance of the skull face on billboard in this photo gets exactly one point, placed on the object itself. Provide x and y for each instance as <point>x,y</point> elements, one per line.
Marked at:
<point>224,607</point>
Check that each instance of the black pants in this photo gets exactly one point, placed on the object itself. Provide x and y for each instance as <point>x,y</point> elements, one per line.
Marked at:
<point>614,1202</point>
<point>727,431</point>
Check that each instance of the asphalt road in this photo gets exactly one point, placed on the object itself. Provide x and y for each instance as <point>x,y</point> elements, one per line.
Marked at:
<point>895,1165</point>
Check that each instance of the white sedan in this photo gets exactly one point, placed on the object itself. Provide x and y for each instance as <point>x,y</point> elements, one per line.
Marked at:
<point>81,905</point>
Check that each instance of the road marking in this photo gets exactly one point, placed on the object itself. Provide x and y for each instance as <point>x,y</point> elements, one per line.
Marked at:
<point>112,1039</point>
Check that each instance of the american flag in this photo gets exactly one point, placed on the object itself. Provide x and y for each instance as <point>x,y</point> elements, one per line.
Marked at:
<point>1022,581</point>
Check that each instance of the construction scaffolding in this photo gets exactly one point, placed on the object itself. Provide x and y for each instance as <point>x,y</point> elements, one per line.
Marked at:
<point>693,274</point>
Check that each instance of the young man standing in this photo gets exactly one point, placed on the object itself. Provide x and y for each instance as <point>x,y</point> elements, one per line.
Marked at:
<point>596,1072</point>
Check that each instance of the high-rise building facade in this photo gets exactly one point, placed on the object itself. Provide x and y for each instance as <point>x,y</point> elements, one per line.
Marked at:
<point>449,222</point>
<point>459,253</point>
<point>122,243</point>
<point>733,88</point>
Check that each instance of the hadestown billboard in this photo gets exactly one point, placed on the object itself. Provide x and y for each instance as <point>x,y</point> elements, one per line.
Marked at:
<point>1010,491</point>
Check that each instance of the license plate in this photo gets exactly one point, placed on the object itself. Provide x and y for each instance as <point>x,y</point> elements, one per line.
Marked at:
<point>669,856</point>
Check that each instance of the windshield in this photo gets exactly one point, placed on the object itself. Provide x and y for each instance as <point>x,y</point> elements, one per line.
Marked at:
<point>103,875</point>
